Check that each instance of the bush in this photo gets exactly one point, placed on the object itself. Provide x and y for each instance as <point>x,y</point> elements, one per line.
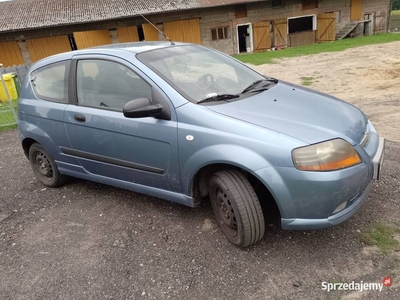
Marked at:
<point>396,4</point>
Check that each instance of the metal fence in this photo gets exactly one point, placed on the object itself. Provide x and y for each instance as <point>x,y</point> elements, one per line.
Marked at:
<point>8,105</point>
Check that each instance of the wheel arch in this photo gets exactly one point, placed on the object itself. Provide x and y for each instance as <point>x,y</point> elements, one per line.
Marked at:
<point>26,145</point>
<point>200,184</point>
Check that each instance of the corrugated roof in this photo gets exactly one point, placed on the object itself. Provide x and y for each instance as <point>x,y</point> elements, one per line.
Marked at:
<point>210,3</point>
<point>28,14</point>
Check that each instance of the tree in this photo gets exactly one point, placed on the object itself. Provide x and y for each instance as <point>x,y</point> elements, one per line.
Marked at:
<point>395,4</point>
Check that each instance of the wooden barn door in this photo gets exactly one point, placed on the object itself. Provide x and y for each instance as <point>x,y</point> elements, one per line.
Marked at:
<point>43,47</point>
<point>10,54</point>
<point>128,34</point>
<point>326,27</point>
<point>280,32</point>
<point>150,33</point>
<point>86,39</point>
<point>356,10</point>
<point>183,31</point>
<point>262,36</point>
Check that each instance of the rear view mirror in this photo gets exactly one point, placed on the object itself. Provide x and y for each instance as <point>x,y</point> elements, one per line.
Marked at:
<point>141,108</point>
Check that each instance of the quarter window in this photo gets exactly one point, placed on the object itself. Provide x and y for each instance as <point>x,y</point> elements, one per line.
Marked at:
<point>102,83</point>
<point>50,82</point>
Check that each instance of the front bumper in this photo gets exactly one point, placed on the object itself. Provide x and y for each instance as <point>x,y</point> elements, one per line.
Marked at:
<point>351,208</point>
<point>311,224</point>
<point>377,160</point>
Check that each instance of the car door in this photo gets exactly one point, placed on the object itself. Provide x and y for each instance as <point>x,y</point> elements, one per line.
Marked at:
<point>139,151</point>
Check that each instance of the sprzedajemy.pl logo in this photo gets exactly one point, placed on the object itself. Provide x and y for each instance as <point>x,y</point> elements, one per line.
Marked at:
<point>356,286</point>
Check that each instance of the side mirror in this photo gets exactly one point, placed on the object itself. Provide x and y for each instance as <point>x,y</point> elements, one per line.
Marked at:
<point>141,108</point>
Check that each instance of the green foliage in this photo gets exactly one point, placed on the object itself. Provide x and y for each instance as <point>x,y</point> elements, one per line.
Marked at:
<point>6,115</point>
<point>306,81</point>
<point>269,57</point>
<point>383,236</point>
<point>395,4</point>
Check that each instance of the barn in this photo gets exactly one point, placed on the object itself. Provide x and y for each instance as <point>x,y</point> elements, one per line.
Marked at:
<point>33,29</point>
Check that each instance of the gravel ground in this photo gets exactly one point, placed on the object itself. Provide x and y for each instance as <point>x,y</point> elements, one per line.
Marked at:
<point>90,241</point>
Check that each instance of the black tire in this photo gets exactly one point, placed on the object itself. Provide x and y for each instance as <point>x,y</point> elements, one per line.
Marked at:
<point>44,167</point>
<point>236,207</point>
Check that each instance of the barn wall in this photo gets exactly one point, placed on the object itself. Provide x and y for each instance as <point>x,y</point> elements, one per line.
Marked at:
<point>214,17</point>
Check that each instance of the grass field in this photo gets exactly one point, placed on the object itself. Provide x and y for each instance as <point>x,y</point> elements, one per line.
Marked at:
<point>395,12</point>
<point>269,56</point>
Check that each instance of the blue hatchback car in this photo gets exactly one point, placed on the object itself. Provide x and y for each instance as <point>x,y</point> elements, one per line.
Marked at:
<point>186,123</point>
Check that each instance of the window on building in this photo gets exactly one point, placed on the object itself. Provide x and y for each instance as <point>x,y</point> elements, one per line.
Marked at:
<point>309,4</point>
<point>299,24</point>
<point>277,3</point>
<point>50,82</point>
<point>220,33</point>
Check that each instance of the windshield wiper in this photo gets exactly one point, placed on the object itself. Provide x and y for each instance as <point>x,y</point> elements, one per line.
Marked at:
<point>256,83</point>
<point>217,97</point>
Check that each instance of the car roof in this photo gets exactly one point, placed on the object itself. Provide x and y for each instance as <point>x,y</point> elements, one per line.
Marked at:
<point>137,47</point>
<point>133,47</point>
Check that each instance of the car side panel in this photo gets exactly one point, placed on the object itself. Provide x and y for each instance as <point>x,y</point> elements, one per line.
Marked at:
<point>42,121</point>
<point>215,138</point>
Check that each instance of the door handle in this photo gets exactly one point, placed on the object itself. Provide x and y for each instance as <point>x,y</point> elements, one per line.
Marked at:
<point>80,118</point>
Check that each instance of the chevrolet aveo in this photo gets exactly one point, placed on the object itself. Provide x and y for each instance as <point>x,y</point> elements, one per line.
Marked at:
<point>185,123</point>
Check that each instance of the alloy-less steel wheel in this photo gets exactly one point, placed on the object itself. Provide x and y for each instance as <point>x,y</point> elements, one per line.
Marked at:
<point>44,167</point>
<point>236,207</point>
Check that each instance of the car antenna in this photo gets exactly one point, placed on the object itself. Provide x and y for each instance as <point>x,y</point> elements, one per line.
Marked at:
<point>172,43</point>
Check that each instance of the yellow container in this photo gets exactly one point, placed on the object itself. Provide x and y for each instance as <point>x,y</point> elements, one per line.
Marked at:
<point>11,88</point>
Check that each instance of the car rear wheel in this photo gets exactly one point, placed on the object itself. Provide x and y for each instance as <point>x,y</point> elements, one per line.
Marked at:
<point>44,167</point>
<point>236,207</point>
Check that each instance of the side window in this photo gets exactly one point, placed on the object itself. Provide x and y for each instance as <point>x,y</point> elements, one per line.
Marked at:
<point>102,83</point>
<point>51,82</point>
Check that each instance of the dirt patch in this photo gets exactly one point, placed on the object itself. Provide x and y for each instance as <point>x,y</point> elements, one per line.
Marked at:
<point>368,77</point>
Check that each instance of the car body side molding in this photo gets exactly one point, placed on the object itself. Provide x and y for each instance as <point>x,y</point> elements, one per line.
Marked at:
<point>110,160</point>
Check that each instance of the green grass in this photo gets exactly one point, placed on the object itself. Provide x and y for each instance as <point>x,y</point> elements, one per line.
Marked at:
<point>269,56</point>
<point>336,280</point>
<point>382,236</point>
<point>306,81</point>
<point>395,12</point>
<point>7,117</point>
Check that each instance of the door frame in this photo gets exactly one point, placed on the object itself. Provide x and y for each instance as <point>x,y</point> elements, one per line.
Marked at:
<point>249,25</point>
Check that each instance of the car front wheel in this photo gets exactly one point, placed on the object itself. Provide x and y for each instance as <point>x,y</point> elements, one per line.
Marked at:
<point>236,207</point>
<point>44,167</point>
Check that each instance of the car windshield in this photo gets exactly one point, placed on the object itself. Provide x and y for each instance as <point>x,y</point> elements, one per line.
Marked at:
<point>199,73</point>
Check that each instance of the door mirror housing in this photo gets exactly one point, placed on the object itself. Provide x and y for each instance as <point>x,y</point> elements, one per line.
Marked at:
<point>141,108</point>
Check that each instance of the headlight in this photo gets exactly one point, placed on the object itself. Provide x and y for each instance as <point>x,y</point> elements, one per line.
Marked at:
<point>326,156</point>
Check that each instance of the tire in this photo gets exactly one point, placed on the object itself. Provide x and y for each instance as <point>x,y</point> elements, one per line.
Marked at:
<point>236,207</point>
<point>44,167</point>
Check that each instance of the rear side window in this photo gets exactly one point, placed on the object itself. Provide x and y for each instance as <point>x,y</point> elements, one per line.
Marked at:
<point>51,82</point>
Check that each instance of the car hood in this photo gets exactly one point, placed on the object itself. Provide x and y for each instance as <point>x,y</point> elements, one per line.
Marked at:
<point>298,112</point>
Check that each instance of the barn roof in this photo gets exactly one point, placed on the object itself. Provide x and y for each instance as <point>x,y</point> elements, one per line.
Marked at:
<point>30,14</point>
